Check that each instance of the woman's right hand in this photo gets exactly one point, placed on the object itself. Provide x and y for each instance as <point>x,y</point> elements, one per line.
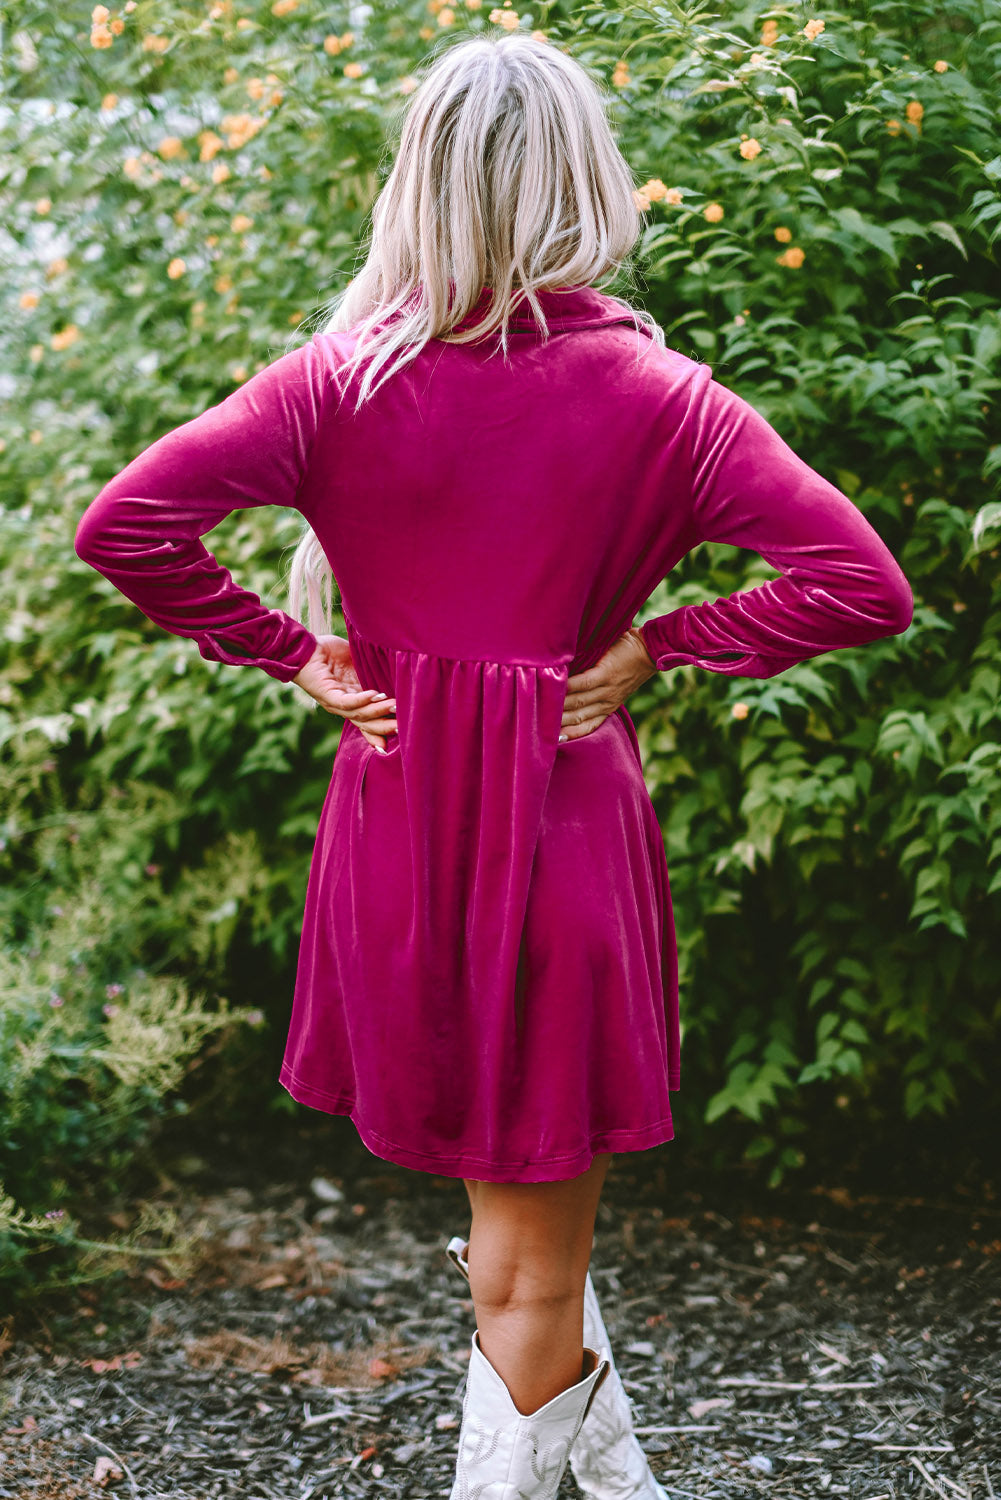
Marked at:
<point>595,694</point>
<point>330,677</point>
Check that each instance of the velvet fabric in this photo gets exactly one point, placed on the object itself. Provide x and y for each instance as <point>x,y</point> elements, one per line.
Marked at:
<point>487,974</point>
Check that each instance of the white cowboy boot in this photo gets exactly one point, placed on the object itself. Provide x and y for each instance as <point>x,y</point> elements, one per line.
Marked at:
<point>606,1461</point>
<point>505,1454</point>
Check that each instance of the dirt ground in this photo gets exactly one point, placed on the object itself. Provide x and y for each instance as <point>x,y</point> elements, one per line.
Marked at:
<point>838,1338</point>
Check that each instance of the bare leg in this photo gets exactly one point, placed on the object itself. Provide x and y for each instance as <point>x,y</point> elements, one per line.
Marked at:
<point>529,1251</point>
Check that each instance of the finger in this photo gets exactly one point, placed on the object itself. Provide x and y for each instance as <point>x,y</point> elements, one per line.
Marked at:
<point>345,698</point>
<point>376,708</point>
<point>581,682</point>
<point>581,731</point>
<point>600,708</point>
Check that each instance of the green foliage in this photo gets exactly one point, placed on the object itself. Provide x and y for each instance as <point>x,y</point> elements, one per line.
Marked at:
<point>181,187</point>
<point>94,1047</point>
<point>834,834</point>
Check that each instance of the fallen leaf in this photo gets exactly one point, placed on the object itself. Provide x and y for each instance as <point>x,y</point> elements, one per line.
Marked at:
<point>105,1470</point>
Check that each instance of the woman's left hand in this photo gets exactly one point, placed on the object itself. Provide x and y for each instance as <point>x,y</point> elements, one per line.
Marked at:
<point>330,677</point>
<point>593,695</point>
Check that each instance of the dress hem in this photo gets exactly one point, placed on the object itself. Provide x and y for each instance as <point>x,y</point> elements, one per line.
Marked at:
<point>570,1165</point>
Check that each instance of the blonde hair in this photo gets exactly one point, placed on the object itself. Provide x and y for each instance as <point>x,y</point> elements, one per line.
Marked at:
<point>507,176</point>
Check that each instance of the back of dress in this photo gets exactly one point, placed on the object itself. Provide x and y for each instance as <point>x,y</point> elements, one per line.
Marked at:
<point>487,977</point>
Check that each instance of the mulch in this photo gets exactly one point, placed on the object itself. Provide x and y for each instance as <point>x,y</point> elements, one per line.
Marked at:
<point>795,1342</point>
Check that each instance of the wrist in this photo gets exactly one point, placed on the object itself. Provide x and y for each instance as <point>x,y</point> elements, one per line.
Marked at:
<point>643,651</point>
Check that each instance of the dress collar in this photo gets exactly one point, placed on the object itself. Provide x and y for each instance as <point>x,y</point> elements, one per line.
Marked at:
<point>564,307</point>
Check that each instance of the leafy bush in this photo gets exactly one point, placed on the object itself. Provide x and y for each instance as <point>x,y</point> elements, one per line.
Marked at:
<point>183,186</point>
<point>95,1048</point>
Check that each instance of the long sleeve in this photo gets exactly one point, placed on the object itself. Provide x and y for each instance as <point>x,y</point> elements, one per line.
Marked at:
<point>840,584</point>
<point>142,530</point>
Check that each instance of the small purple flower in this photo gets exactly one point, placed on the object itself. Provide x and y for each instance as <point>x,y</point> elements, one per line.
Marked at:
<point>255,1018</point>
<point>56,1000</point>
<point>56,911</point>
<point>55,1213</point>
<point>111,990</point>
<point>110,1010</point>
<point>152,869</point>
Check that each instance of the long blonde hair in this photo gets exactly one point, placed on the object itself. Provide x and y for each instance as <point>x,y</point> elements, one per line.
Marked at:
<point>507,176</point>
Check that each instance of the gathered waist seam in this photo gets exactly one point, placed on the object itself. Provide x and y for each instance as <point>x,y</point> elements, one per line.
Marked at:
<point>439,656</point>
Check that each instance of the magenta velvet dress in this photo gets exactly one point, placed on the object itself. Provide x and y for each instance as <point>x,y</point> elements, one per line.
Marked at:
<point>487,975</point>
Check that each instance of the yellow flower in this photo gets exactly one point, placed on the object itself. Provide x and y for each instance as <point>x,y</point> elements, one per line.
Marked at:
<point>509,19</point>
<point>425,33</point>
<point>239,372</point>
<point>783,235</point>
<point>284,7</point>
<point>170,147</point>
<point>713,212</point>
<point>641,200</point>
<point>129,6</point>
<point>230,75</point>
<point>620,76</point>
<point>347,37</point>
<point>769,33</point>
<point>758,60</point>
<point>132,166</point>
<point>750,149</point>
<point>153,43</point>
<point>255,87</point>
<point>69,335</point>
<point>353,70</point>
<point>99,13</point>
<point>673,195</point>
<point>446,16</point>
<point>57,267</point>
<point>29,299</point>
<point>35,435</point>
<point>276,98</point>
<point>117,25</point>
<point>894,127</point>
<point>101,36</point>
<point>239,223</point>
<point>36,352</point>
<point>109,101</point>
<point>220,172</point>
<point>739,711</point>
<point>407,84</point>
<point>941,66</point>
<point>332,45</point>
<point>244,23</point>
<point>296,317</point>
<point>914,111</point>
<point>209,144</point>
<point>539,36</point>
<point>43,205</point>
<point>812,30</point>
<point>176,268</point>
<point>653,189</point>
<point>223,284</point>
<point>793,257</point>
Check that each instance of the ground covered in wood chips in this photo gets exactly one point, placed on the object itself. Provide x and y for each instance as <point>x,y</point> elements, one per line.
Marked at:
<point>839,1339</point>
